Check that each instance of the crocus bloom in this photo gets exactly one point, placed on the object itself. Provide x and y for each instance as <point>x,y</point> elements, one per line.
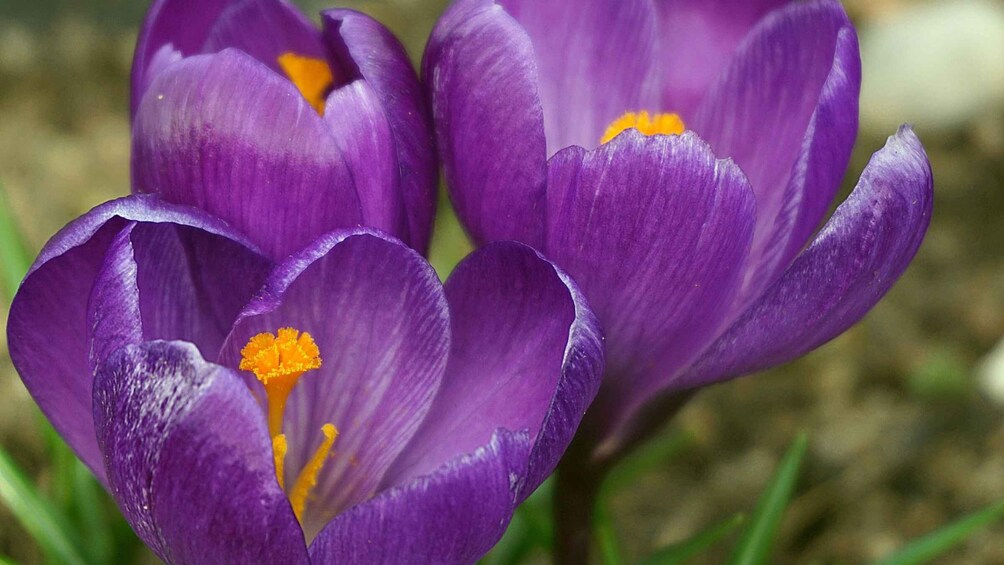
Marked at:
<point>675,158</point>
<point>411,416</point>
<point>245,109</point>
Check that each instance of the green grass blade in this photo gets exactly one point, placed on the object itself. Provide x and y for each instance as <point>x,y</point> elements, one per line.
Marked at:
<point>36,515</point>
<point>6,560</point>
<point>683,551</point>
<point>91,514</point>
<point>14,259</point>
<point>925,549</point>
<point>755,544</point>
<point>606,537</point>
<point>647,457</point>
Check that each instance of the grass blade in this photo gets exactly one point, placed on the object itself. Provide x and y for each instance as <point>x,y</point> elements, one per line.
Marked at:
<point>678,553</point>
<point>647,457</point>
<point>606,538</point>
<point>46,526</point>
<point>934,544</point>
<point>755,544</point>
<point>14,259</point>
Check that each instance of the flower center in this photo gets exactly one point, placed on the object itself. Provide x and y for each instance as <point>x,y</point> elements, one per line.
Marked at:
<point>312,77</point>
<point>278,361</point>
<point>659,124</point>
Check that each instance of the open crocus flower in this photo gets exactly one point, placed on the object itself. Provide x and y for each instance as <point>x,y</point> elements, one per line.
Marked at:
<point>675,158</point>
<point>245,109</point>
<point>342,406</point>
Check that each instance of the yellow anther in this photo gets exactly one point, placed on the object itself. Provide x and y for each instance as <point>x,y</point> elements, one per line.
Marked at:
<point>279,449</point>
<point>278,361</point>
<point>312,77</point>
<point>665,124</point>
<point>307,479</point>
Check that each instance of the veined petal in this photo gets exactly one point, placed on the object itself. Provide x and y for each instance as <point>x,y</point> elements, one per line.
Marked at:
<point>48,329</point>
<point>852,263</point>
<point>596,60</point>
<point>381,61</point>
<point>265,29</point>
<point>679,222</point>
<point>166,281</point>
<point>188,459</point>
<point>697,40</point>
<point>177,27</point>
<point>526,356</point>
<point>479,68</point>
<point>377,312</point>
<point>360,128</point>
<point>452,515</point>
<point>762,106</point>
<point>224,133</point>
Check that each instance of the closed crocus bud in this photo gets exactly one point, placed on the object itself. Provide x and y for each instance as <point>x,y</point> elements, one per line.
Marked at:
<point>676,158</point>
<point>245,109</point>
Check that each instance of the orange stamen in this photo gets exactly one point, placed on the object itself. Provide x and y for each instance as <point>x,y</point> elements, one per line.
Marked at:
<point>307,479</point>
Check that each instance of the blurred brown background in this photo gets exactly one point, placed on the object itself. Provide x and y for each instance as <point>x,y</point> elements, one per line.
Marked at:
<point>904,411</point>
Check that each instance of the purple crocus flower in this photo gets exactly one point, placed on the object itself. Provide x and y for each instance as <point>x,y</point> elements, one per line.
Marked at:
<point>245,109</point>
<point>388,418</point>
<point>675,158</point>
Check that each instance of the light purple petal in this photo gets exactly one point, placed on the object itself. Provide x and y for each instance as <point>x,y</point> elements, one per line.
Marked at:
<point>697,40</point>
<point>852,263</point>
<point>596,60</point>
<point>224,133</point>
<point>265,29</point>
<point>363,134</point>
<point>453,515</point>
<point>377,312</point>
<point>679,224</point>
<point>380,60</point>
<point>526,356</point>
<point>479,68</point>
<point>760,109</point>
<point>48,329</point>
<point>172,29</point>
<point>189,460</point>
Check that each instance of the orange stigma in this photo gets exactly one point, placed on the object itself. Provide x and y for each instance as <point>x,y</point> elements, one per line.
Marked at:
<point>278,361</point>
<point>659,124</point>
<point>312,77</point>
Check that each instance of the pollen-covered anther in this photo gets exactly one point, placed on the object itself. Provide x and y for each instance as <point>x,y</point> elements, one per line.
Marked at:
<point>278,361</point>
<point>311,76</point>
<point>307,479</point>
<point>659,124</point>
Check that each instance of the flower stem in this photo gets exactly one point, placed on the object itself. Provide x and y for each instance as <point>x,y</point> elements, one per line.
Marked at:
<point>577,485</point>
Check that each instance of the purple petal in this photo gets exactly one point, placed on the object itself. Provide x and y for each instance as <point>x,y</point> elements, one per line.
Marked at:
<point>656,232</point>
<point>378,314</point>
<point>382,62</point>
<point>815,179</point>
<point>852,263</point>
<point>480,70</point>
<point>697,41</point>
<point>224,133</point>
<point>172,29</point>
<point>189,460</point>
<point>453,515</point>
<point>265,29</point>
<point>596,60</point>
<point>363,134</point>
<point>526,356</point>
<point>759,111</point>
<point>48,326</point>
<point>164,281</point>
